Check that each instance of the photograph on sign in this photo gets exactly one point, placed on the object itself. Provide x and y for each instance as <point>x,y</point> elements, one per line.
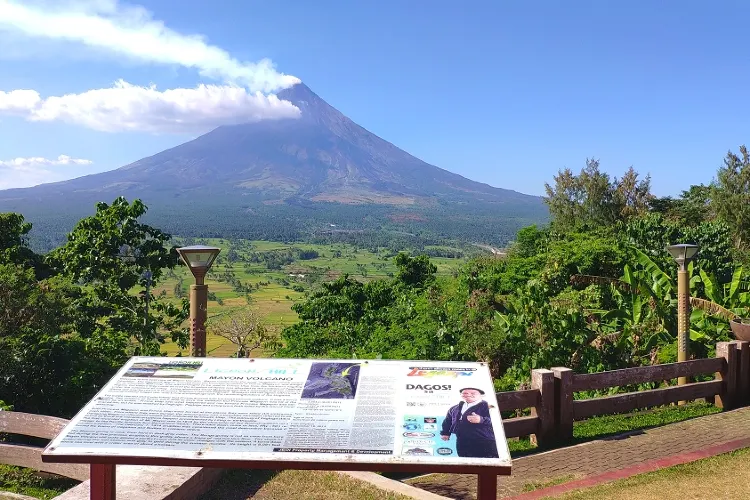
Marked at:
<point>183,369</point>
<point>371,411</point>
<point>331,380</point>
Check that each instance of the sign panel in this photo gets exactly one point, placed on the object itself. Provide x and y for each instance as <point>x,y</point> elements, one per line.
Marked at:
<point>287,410</point>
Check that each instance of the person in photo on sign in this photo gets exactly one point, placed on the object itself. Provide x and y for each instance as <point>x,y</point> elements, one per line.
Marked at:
<point>470,421</point>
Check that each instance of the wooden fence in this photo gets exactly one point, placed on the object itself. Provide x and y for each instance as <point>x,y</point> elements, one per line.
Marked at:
<point>22,455</point>
<point>554,408</point>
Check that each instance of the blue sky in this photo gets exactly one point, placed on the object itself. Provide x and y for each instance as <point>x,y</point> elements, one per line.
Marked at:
<point>504,92</point>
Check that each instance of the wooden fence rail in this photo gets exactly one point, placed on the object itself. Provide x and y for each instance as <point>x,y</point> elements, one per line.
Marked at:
<point>21,455</point>
<point>554,407</point>
<point>643,374</point>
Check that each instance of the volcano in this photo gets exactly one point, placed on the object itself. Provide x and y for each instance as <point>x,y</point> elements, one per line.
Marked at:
<point>320,159</point>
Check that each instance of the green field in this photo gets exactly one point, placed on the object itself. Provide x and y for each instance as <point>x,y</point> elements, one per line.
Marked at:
<point>274,291</point>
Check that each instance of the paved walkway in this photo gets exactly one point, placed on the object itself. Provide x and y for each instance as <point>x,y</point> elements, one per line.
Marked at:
<point>596,458</point>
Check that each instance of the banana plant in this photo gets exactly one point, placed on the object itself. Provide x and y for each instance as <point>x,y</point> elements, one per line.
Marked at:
<point>646,307</point>
<point>643,301</point>
<point>710,316</point>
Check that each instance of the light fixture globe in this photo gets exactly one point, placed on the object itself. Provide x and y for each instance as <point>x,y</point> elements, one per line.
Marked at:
<point>683,253</point>
<point>199,259</point>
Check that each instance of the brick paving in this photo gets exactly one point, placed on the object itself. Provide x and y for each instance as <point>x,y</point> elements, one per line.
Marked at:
<point>601,456</point>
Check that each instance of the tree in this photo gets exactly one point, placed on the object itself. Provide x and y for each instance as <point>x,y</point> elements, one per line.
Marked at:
<point>730,195</point>
<point>110,253</point>
<point>631,195</point>
<point>692,208</point>
<point>530,241</point>
<point>14,248</point>
<point>414,272</point>
<point>45,366</point>
<point>69,319</point>
<point>245,330</point>
<point>591,199</point>
<point>653,232</point>
<point>362,268</point>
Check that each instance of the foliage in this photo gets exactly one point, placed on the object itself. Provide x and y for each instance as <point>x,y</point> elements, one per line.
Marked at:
<point>591,199</point>
<point>587,300</point>
<point>530,241</point>
<point>652,233</point>
<point>231,216</point>
<point>29,482</point>
<point>69,319</point>
<point>731,195</point>
<point>14,248</point>
<point>414,272</point>
<point>45,367</point>
<point>724,301</point>
<point>591,253</point>
<point>110,253</point>
<point>392,318</point>
<point>690,209</point>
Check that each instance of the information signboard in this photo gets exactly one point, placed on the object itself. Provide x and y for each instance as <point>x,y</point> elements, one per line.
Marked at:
<point>291,410</point>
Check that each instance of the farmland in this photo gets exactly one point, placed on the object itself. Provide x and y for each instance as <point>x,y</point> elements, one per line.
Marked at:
<point>269,277</point>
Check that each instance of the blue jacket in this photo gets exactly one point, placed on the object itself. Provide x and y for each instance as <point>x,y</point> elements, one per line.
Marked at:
<point>457,424</point>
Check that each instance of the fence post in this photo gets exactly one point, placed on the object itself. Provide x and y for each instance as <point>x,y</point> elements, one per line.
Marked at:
<point>728,375</point>
<point>544,381</point>
<point>563,403</point>
<point>743,371</point>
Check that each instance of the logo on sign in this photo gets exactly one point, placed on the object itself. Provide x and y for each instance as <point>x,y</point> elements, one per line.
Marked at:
<point>417,371</point>
<point>419,434</point>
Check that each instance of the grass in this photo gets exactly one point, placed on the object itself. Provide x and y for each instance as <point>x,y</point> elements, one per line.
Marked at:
<point>28,482</point>
<point>294,485</point>
<point>546,484</point>
<point>723,476</point>
<point>611,425</point>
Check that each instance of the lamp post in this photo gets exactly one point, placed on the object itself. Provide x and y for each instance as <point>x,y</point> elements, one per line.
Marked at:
<point>683,254</point>
<point>147,275</point>
<point>198,259</point>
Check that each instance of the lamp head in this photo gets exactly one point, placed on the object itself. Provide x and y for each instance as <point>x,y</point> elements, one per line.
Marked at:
<point>683,253</point>
<point>199,259</point>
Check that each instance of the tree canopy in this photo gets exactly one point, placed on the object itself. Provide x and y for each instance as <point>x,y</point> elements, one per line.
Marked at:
<point>69,319</point>
<point>591,198</point>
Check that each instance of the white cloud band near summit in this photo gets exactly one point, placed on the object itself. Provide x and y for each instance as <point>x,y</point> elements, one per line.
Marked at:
<point>126,107</point>
<point>22,163</point>
<point>131,31</point>
<point>242,96</point>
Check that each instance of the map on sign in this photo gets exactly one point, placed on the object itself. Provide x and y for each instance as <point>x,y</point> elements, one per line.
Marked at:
<point>369,411</point>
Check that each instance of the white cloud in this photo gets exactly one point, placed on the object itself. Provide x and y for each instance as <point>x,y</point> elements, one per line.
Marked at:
<point>18,101</point>
<point>27,172</point>
<point>25,163</point>
<point>126,107</point>
<point>131,31</point>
